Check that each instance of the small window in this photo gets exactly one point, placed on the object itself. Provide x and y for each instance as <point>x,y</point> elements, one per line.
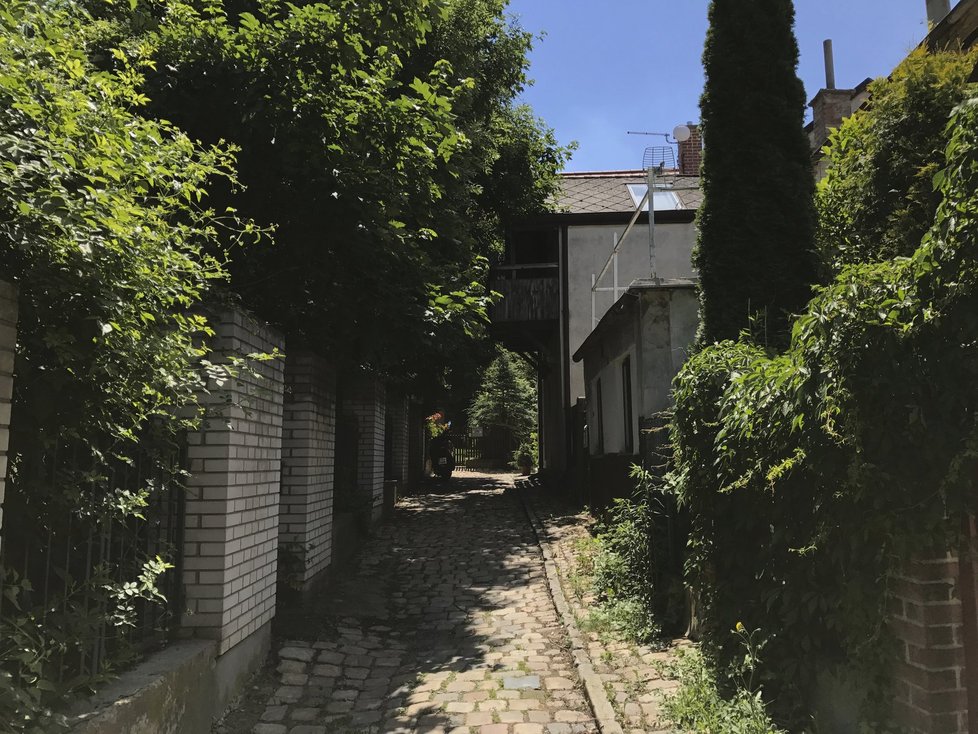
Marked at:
<point>626,403</point>
<point>533,246</point>
<point>664,200</point>
<point>599,414</point>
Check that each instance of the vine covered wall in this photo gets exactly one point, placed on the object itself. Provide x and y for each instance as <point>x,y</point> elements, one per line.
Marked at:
<point>813,474</point>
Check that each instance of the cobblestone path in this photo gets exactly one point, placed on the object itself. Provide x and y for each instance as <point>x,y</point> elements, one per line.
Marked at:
<point>445,624</point>
<point>631,673</point>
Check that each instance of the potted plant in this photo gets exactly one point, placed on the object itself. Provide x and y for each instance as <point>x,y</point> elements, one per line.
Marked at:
<point>525,456</point>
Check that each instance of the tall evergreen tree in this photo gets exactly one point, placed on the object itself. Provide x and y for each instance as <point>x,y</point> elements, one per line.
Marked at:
<point>756,224</point>
<point>508,397</point>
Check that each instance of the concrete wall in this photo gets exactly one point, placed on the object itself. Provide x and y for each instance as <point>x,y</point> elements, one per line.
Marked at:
<point>308,466</point>
<point>612,406</point>
<point>654,333</point>
<point>8,343</point>
<point>587,251</point>
<point>231,536</point>
<point>173,692</point>
<point>669,322</point>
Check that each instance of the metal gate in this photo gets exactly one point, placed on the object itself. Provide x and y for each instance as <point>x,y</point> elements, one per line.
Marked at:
<point>492,450</point>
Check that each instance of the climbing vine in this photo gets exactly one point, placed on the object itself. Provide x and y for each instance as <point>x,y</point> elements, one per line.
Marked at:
<point>104,230</point>
<point>812,475</point>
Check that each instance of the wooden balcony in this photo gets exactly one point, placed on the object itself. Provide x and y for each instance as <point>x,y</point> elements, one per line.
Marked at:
<point>530,293</point>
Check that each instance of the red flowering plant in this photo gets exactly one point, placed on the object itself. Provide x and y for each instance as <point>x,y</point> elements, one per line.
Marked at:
<point>436,424</point>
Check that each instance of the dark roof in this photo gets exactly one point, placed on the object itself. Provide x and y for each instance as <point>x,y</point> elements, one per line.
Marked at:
<point>634,290</point>
<point>606,192</point>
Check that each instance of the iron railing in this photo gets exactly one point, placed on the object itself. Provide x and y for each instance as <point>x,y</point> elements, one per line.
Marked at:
<point>61,536</point>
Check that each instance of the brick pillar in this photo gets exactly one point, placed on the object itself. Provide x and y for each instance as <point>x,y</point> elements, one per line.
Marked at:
<point>926,617</point>
<point>8,342</point>
<point>231,537</point>
<point>366,400</point>
<point>308,466</point>
<point>398,407</point>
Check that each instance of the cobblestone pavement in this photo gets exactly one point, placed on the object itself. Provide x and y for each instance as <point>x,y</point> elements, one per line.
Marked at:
<point>631,673</point>
<point>445,624</point>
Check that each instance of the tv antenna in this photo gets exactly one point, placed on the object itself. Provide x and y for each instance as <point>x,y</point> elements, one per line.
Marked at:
<point>663,156</point>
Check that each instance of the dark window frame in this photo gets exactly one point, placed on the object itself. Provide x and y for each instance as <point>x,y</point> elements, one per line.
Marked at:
<point>626,403</point>
<point>599,413</point>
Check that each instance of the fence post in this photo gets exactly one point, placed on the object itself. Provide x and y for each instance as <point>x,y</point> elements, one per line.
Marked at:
<point>8,342</point>
<point>231,536</point>
<point>366,399</point>
<point>926,617</point>
<point>399,407</point>
<point>308,467</point>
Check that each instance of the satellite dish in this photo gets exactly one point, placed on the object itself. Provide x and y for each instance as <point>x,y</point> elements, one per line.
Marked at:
<point>681,133</point>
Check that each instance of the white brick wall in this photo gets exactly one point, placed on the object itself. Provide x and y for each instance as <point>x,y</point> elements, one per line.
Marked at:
<point>366,399</point>
<point>8,342</point>
<point>308,463</point>
<point>231,534</point>
<point>398,407</point>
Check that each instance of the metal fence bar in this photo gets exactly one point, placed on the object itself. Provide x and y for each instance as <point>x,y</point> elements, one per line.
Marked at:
<point>80,543</point>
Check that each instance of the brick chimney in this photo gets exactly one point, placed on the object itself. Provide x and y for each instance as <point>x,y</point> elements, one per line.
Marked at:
<point>829,108</point>
<point>937,10</point>
<point>691,152</point>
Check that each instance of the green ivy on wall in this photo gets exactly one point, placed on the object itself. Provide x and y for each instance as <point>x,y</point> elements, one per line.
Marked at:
<point>813,474</point>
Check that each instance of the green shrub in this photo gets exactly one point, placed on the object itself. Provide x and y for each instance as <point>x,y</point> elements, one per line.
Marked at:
<point>877,198</point>
<point>699,706</point>
<point>810,476</point>
<point>104,230</point>
<point>528,449</point>
<point>629,566</point>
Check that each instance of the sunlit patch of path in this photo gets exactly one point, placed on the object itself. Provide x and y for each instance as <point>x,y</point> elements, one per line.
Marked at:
<point>445,624</point>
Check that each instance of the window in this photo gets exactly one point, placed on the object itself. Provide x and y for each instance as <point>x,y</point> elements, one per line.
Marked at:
<point>626,403</point>
<point>664,200</point>
<point>533,246</point>
<point>599,415</point>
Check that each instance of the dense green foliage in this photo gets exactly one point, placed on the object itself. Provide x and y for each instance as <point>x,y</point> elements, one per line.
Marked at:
<point>698,705</point>
<point>812,475</point>
<point>381,141</point>
<point>756,223</point>
<point>877,199</point>
<point>507,398</point>
<point>624,566</point>
<point>103,230</point>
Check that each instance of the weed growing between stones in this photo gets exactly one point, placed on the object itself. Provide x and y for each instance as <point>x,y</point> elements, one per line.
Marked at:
<point>700,705</point>
<point>622,570</point>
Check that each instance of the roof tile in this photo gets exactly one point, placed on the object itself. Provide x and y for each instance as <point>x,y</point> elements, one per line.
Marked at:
<point>602,192</point>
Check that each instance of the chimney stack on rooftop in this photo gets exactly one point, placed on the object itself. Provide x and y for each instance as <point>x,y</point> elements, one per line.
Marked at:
<point>691,151</point>
<point>829,64</point>
<point>937,10</point>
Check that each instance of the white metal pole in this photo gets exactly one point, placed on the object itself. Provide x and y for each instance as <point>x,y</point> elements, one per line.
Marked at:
<point>651,193</point>
<point>615,291</point>
<point>594,281</point>
<point>628,229</point>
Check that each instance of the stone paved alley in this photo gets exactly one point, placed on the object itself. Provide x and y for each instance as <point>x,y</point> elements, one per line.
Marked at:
<point>444,623</point>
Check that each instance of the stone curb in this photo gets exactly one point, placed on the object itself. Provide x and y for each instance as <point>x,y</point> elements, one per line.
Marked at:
<point>594,690</point>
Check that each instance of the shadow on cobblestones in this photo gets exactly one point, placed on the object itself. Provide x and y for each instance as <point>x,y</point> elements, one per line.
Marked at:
<point>443,623</point>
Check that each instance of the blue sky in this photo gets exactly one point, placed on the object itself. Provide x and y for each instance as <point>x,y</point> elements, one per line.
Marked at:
<point>606,67</point>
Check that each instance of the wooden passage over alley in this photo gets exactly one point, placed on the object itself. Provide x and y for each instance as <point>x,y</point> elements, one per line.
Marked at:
<point>534,298</point>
